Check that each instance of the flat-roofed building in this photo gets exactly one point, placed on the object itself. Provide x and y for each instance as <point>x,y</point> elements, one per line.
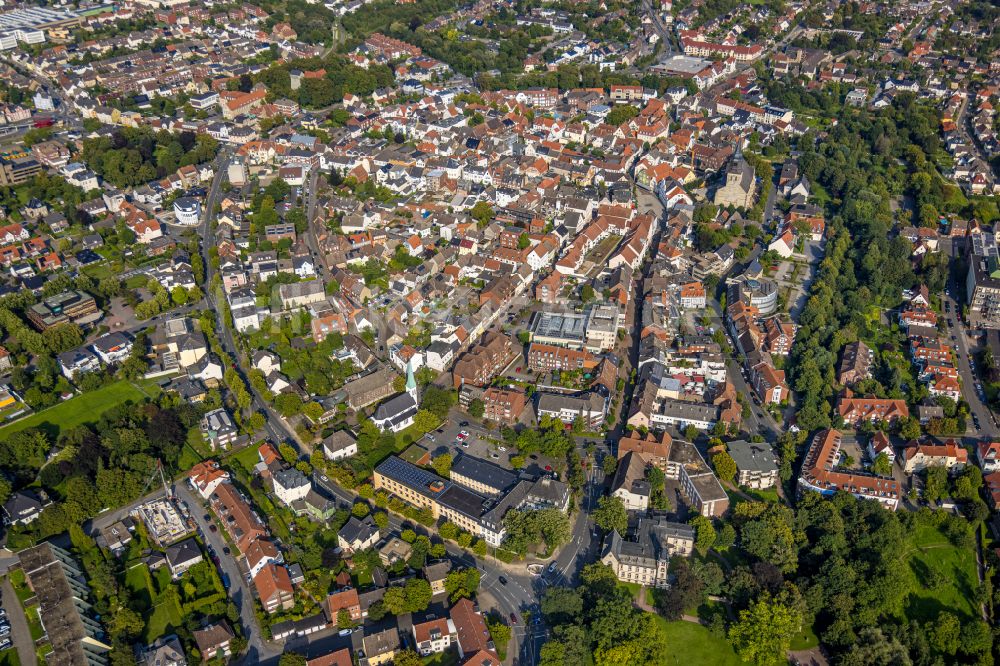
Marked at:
<point>481,475</point>
<point>63,602</point>
<point>72,306</point>
<point>755,463</point>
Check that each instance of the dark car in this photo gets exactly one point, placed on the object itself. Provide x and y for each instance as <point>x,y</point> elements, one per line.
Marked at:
<point>213,528</point>
<point>503,581</point>
<point>206,517</point>
<point>225,550</point>
<point>513,618</point>
<point>464,424</point>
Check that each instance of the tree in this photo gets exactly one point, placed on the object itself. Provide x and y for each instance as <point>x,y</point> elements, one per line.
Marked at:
<point>936,483</point>
<point>381,520</point>
<point>523,241</point>
<point>609,465</point>
<point>944,633</point>
<point>704,533</point>
<point>482,213</point>
<point>875,648</point>
<point>725,466</point>
<point>292,659</point>
<point>881,465</point>
<point>407,658</point>
<point>499,631</point>
<point>587,293</point>
<point>344,620</point>
<point>462,583</point>
<point>621,114</point>
<point>360,510</point>
<point>764,631</point>
<point>477,408</point>
<point>611,514</point>
<point>561,605</point>
<point>442,465</point>
<point>425,420</point>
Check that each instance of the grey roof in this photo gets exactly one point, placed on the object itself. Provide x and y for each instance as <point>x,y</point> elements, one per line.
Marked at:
<point>183,552</point>
<point>631,475</point>
<point>290,478</point>
<point>357,530</point>
<point>483,472</point>
<point>396,409</point>
<point>752,457</point>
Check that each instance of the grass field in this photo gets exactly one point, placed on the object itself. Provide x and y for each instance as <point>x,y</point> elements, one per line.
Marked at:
<point>691,644</point>
<point>931,555</point>
<point>161,617</point>
<point>9,658</point>
<point>84,408</point>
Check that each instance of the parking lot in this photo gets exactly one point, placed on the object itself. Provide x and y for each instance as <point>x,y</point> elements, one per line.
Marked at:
<point>481,443</point>
<point>14,630</point>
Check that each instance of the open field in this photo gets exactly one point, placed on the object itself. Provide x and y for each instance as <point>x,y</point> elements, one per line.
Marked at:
<point>84,408</point>
<point>930,556</point>
<point>690,644</point>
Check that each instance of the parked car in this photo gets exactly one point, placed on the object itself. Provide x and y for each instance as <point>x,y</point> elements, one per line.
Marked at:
<point>225,580</point>
<point>552,566</point>
<point>345,632</point>
<point>4,644</point>
<point>212,528</point>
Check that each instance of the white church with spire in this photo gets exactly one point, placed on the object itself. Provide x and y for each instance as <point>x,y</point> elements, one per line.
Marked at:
<point>397,413</point>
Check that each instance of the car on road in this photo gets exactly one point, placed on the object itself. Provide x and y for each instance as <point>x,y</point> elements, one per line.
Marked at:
<point>534,456</point>
<point>464,433</point>
<point>465,445</point>
<point>502,448</point>
<point>206,517</point>
<point>461,437</point>
<point>345,632</point>
<point>495,456</point>
<point>464,424</point>
<point>513,618</point>
<point>213,528</point>
<point>552,567</point>
<point>430,437</point>
<point>503,580</point>
<point>548,468</point>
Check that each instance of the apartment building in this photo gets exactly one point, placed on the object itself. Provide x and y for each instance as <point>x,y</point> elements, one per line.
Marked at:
<point>503,406</point>
<point>820,474</point>
<point>755,464</point>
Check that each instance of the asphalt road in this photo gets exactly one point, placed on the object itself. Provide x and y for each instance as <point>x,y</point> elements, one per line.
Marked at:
<point>964,351</point>
<point>258,649</point>
<point>20,634</point>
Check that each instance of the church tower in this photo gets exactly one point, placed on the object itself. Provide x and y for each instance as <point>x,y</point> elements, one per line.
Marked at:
<point>411,382</point>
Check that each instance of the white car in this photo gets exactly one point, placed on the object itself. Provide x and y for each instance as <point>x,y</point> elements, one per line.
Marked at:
<point>502,448</point>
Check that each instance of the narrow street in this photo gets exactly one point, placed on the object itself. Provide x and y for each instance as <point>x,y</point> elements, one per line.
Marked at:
<point>20,633</point>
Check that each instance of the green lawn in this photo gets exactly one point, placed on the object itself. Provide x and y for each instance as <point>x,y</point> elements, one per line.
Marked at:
<point>447,658</point>
<point>690,644</point>
<point>139,583</point>
<point>9,658</point>
<point>84,408</point>
<point>805,640</point>
<point>166,617</point>
<point>930,554</point>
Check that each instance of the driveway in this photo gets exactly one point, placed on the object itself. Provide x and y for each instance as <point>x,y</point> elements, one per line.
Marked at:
<point>19,632</point>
